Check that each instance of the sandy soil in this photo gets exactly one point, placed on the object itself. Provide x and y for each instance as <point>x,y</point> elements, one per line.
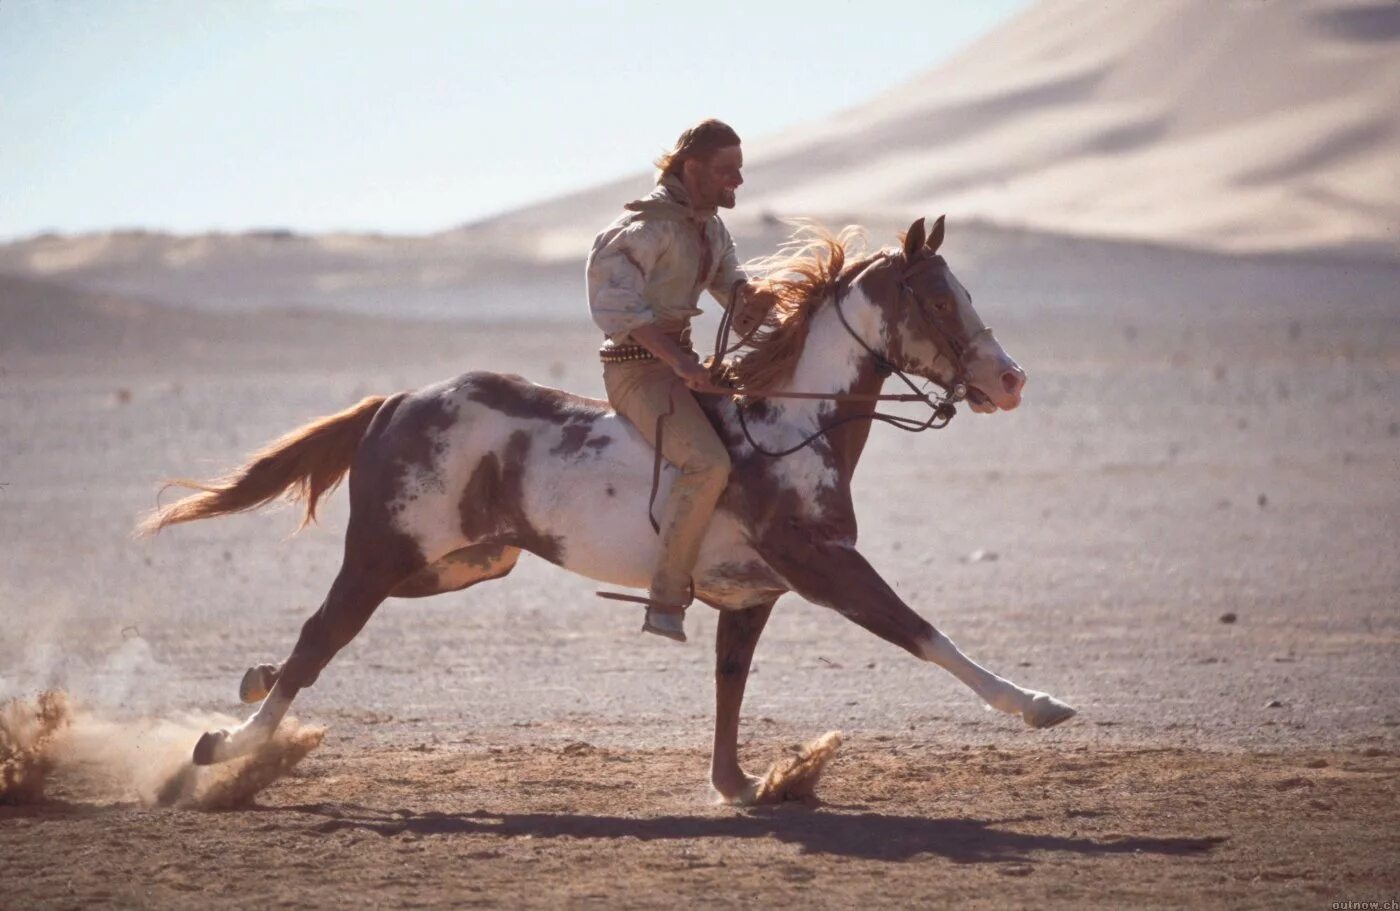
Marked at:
<point>1201,437</point>
<point>901,823</point>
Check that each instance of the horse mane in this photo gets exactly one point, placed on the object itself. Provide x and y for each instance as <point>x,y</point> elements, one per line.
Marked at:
<point>802,274</point>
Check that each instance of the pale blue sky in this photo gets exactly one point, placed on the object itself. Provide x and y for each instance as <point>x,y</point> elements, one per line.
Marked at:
<point>410,115</point>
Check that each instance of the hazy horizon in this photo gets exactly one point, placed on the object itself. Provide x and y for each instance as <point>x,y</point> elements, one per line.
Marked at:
<point>322,115</point>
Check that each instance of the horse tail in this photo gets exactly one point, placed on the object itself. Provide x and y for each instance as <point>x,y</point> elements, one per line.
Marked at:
<point>306,464</point>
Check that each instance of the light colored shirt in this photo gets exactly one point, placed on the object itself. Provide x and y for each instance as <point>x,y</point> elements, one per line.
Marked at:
<point>649,267</point>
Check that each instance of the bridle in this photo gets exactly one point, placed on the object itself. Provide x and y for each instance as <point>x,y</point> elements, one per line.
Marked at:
<point>941,409</point>
<point>950,348</point>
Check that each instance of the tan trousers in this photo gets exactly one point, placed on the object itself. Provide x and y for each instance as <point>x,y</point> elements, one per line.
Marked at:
<point>641,391</point>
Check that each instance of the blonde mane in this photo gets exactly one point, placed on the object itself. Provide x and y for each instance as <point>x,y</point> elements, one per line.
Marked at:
<point>801,274</point>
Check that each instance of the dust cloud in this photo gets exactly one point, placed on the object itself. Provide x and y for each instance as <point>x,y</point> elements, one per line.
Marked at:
<point>84,730</point>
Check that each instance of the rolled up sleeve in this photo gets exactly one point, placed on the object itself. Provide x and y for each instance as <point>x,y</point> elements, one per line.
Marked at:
<point>726,273</point>
<point>622,260</point>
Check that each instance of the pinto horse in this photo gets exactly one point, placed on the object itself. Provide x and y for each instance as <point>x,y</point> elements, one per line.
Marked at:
<point>449,483</point>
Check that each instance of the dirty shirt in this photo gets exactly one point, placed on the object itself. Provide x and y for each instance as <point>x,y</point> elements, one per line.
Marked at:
<point>649,267</point>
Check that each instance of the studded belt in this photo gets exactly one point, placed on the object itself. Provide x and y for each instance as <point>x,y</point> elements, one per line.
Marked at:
<point>612,353</point>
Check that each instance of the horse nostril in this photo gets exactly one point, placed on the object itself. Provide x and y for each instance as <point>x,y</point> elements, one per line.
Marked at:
<point>1012,381</point>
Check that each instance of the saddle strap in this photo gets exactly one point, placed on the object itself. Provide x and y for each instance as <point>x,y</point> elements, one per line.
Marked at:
<point>656,462</point>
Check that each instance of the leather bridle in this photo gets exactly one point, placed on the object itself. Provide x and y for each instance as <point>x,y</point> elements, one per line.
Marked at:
<point>942,408</point>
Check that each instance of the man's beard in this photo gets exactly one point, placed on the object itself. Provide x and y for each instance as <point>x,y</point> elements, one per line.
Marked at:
<point>724,199</point>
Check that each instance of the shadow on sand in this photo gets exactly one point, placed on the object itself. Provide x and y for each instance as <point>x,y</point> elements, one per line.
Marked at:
<point>865,835</point>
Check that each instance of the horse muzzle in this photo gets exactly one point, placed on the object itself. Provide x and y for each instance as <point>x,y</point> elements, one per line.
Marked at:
<point>1003,394</point>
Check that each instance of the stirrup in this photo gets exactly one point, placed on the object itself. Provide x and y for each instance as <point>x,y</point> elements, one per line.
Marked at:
<point>661,607</point>
<point>658,616</point>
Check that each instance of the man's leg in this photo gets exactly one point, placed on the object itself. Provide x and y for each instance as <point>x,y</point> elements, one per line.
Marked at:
<point>642,392</point>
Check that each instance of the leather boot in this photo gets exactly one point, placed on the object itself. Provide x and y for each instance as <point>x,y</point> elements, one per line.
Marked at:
<point>667,623</point>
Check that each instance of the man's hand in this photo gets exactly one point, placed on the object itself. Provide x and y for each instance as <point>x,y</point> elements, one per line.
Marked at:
<point>698,379</point>
<point>686,365</point>
<point>753,304</point>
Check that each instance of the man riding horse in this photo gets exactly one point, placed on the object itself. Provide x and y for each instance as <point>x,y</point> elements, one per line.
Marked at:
<point>645,275</point>
<point>452,482</point>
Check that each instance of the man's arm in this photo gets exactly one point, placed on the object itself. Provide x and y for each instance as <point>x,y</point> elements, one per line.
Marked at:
<point>618,268</point>
<point>686,364</point>
<point>733,288</point>
<point>727,273</point>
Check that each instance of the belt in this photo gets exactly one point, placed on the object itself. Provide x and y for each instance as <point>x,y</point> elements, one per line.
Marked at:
<point>617,354</point>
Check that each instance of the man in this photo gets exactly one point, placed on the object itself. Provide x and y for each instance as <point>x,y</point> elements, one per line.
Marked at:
<point>645,275</point>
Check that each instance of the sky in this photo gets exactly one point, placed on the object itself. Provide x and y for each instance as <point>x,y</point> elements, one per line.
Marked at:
<point>408,116</point>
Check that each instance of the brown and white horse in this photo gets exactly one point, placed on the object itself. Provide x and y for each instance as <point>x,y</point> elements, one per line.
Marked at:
<point>448,484</point>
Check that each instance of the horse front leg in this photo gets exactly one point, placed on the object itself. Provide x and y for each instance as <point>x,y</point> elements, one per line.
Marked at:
<point>735,641</point>
<point>837,576</point>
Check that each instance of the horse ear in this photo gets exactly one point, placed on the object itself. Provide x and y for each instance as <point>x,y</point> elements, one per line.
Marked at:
<point>935,237</point>
<point>914,240</point>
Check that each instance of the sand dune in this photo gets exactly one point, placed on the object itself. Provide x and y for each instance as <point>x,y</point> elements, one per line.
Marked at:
<point>1227,126</point>
<point>415,276</point>
<point>1232,126</point>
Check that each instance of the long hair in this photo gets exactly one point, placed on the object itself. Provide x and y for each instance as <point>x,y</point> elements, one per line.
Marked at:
<point>801,274</point>
<point>699,142</point>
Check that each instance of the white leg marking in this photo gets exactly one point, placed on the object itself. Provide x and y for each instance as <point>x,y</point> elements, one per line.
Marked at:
<point>1039,710</point>
<point>257,730</point>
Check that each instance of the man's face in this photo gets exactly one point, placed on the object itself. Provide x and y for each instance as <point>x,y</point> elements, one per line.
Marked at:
<point>712,183</point>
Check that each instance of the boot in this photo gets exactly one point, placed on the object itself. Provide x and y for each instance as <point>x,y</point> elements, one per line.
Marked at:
<point>668,620</point>
<point>667,623</point>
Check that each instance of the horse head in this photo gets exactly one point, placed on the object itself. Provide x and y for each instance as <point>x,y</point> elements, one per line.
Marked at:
<point>931,329</point>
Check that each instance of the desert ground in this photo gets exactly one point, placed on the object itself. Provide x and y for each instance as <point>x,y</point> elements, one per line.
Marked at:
<point>1189,531</point>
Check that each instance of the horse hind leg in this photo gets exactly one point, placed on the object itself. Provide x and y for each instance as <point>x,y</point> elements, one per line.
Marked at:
<point>457,571</point>
<point>379,557</point>
<point>353,598</point>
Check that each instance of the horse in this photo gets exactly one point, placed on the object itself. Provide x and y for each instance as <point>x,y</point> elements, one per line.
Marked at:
<point>450,483</point>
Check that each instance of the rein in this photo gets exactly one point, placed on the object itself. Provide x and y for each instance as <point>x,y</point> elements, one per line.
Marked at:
<point>941,411</point>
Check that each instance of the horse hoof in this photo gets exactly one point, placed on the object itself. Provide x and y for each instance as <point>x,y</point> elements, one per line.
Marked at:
<point>1045,711</point>
<point>257,683</point>
<point>743,796</point>
<point>207,749</point>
